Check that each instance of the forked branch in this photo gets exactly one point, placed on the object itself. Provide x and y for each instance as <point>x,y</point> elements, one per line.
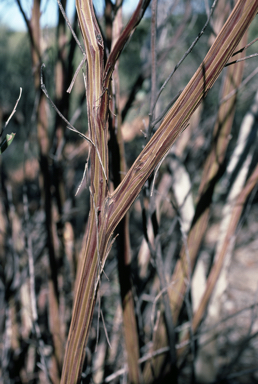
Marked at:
<point>111,208</point>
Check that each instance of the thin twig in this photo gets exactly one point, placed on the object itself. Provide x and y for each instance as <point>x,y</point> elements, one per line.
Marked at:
<point>229,317</point>
<point>241,373</point>
<point>69,125</point>
<point>97,332</point>
<point>207,10</point>
<point>143,359</point>
<point>105,329</point>
<point>243,58</point>
<point>30,30</point>
<point>70,27</point>
<point>245,47</point>
<point>210,329</point>
<point>188,285</point>
<point>162,54</point>
<point>78,43</point>
<point>239,352</point>
<point>6,342</point>
<point>159,165</point>
<point>156,172</point>
<point>76,74</point>
<point>167,13</point>
<point>160,117</point>
<point>153,61</point>
<point>27,22</point>
<point>157,297</point>
<point>232,93</point>
<point>13,112</point>
<point>167,309</point>
<point>187,52</point>
<point>157,256</point>
<point>83,177</point>
<point>34,312</point>
<point>145,225</point>
<point>247,209</point>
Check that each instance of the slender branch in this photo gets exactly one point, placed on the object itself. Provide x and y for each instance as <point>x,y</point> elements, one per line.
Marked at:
<point>70,26</point>
<point>77,42</point>
<point>13,112</point>
<point>105,328</point>
<point>146,69</point>
<point>143,359</point>
<point>167,311</point>
<point>162,115</point>
<point>153,60</point>
<point>125,35</point>
<point>30,30</point>
<point>187,52</point>
<point>28,237</point>
<point>69,125</point>
<point>243,372</point>
<point>83,177</point>
<point>219,257</point>
<point>244,58</point>
<point>245,47</point>
<point>244,82</point>
<point>76,74</point>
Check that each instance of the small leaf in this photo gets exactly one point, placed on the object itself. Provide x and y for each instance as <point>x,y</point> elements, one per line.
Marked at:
<point>6,142</point>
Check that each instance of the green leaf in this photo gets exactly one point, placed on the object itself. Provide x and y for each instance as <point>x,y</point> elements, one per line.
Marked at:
<point>6,142</point>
